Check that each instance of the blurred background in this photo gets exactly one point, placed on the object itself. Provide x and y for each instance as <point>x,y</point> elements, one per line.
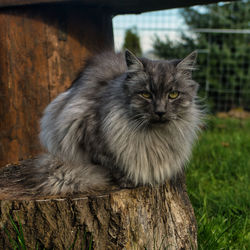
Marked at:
<point>218,175</point>
<point>219,32</point>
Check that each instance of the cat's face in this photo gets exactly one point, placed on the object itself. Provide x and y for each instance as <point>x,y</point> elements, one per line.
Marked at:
<point>159,91</point>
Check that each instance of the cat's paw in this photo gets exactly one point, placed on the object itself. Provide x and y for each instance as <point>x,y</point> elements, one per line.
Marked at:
<point>125,183</point>
<point>122,181</point>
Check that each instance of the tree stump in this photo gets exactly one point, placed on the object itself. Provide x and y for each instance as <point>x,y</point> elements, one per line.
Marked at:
<point>141,218</point>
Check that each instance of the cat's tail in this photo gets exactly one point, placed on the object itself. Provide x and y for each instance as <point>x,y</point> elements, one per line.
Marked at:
<point>59,177</point>
<point>47,176</point>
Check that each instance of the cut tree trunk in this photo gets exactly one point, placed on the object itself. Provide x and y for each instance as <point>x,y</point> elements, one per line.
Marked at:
<point>140,218</point>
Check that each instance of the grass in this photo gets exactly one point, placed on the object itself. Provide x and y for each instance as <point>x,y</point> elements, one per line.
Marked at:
<point>18,243</point>
<point>218,182</point>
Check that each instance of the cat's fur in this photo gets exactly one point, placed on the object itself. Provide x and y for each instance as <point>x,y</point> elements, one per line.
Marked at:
<point>102,129</point>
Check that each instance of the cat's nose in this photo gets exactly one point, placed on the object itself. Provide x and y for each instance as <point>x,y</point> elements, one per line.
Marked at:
<point>160,113</point>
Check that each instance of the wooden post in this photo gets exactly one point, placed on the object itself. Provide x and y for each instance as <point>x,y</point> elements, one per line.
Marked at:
<point>42,47</point>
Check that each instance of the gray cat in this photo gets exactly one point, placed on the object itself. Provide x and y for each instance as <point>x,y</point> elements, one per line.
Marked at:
<point>126,120</point>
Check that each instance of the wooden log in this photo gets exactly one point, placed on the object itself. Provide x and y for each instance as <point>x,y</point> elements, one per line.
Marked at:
<point>141,218</point>
<point>41,50</point>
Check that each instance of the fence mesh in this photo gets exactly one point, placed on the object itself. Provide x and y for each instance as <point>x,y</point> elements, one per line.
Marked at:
<point>219,32</point>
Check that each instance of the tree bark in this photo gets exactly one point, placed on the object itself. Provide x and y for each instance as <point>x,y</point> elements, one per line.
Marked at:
<point>42,48</point>
<point>140,218</point>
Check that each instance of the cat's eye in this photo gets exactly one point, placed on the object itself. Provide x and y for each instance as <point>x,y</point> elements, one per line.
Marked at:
<point>173,94</point>
<point>146,95</point>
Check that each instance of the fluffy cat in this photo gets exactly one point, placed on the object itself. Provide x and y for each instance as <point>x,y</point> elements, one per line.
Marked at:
<point>127,120</point>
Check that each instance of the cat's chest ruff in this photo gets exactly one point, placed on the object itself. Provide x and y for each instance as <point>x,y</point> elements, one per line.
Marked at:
<point>145,156</point>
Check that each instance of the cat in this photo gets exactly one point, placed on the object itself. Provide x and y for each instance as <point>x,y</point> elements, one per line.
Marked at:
<point>125,120</point>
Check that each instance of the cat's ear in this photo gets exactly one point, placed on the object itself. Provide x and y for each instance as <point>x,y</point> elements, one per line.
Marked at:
<point>133,63</point>
<point>187,65</point>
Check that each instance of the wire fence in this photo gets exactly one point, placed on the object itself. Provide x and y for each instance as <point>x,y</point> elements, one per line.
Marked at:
<point>219,32</point>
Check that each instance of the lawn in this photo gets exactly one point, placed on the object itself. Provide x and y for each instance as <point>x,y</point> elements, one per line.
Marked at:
<point>218,184</point>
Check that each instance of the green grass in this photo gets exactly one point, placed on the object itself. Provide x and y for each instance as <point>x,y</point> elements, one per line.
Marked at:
<point>218,184</point>
<point>18,243</point>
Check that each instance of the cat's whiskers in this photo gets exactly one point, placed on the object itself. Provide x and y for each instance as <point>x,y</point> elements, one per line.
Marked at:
<point>141,120</point>
<point>137,125</point>
<point>182,120</point>
<point>178,128</point>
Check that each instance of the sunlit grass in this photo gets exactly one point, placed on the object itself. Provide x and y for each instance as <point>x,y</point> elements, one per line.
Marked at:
<point>218,180</point>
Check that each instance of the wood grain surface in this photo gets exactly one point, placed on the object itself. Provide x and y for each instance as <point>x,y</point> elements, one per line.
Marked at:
<point>42,48</point>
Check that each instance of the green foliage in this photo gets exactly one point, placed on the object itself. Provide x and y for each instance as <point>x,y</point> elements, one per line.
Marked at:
<point>132,41</point>
<point>19,242</point>
<point>224,57</point>
<point>218,185</point>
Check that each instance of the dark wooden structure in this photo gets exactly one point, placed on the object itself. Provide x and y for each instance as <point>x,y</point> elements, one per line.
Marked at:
<point>116,7</point>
